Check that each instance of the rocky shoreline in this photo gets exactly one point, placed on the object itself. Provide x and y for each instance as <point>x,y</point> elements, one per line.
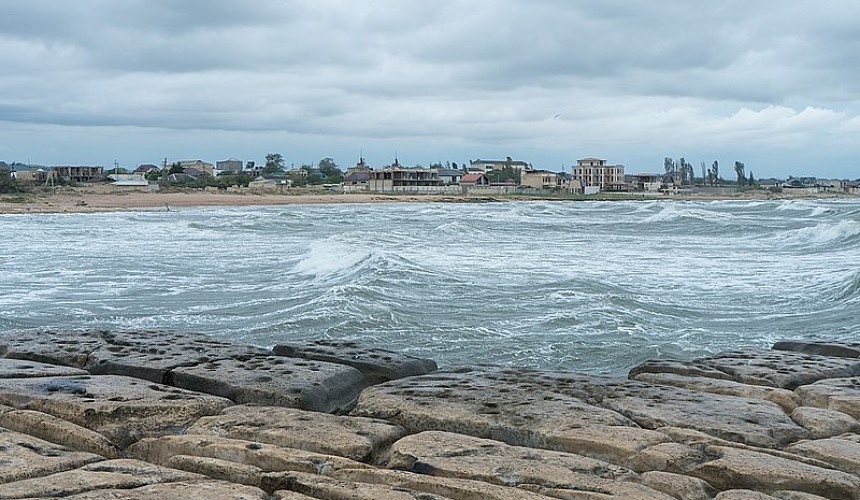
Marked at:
<point>160,414</point>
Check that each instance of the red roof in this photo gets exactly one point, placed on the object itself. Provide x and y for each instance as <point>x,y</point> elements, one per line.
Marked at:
<point>473,178</point>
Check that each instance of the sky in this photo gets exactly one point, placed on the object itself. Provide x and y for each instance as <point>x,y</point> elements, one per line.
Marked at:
<point>772,83</point>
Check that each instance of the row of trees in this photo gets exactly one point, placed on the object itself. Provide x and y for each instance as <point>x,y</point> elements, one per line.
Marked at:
<point>682,172</point>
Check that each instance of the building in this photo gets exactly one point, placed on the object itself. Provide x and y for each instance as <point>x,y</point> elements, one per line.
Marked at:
<point>232,165</point>
<point>492,165</point>
<point>199,165</point>
<point>128,180</point>
<point>356,181</point>
<point>543,179</point>
<point>145,169</point>
<point>29,174</point>
<point>79,173</point>
<point>596,172</point>
<point>449,175</point>
<point>650,183</point>
<point>474,180</point>
<point>404,179</point>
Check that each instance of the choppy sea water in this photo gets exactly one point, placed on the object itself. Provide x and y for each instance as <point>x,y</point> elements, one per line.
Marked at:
<point>588,286</point>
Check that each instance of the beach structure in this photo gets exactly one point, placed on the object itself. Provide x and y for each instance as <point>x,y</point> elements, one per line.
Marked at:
<point>596,172</point>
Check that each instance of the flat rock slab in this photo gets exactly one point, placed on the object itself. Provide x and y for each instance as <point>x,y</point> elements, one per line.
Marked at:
<point>266,457</point>
<point>58,347</point>
<point>152,354</point>
<point>651,406</point>
<point>23,457</point>
<point>495,404</point>
<point>275,381</point>
<point>210,490</point>
<point>782,369</point>
<point>378,365</point>
<point>58,431</point>
<point>447,487</point>
<point>838,394</point>
<point>841,453</point>
<point>822,348</point>
<point>123,409</point>
<point>736,468</point>
<point>455,455</point>
<point>111,474</point>
<point>786,399</point>
<point>357,438</point>
<point>317,486</point>
<point>21,368</point>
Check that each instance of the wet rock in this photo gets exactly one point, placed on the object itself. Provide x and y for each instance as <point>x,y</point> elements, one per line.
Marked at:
<point>784,398</point>
<point>122,409</point>
<point>23,457</point>
<point>833,349</point>
<point>58,347</point>
<point>378,365</point>
<point>795,495</point>
<point>838,394</point>
<point>841,453</point>
<point>265,457</point>
<point>316,486</point>
<point>210,490</point>
<point>824,423</point>
<point>459,456</point>
<point>496,405</point>
<point>152,354</point>
<point>111,474</point>
<point>351,437</point>
<point>732,468</point>
<point>276,381</point>
<point>781,369</point>
<point>21,368</point>
<point>678,486</point>
<point>59,431</point>
<point>454,488</point>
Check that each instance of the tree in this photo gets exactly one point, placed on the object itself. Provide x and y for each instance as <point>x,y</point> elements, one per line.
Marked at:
<point>250,165</point>
<point>704,174</point>
<point>330,172</point>
<point>274,164</point>
<point>176,168</point>
<point>8,184</point>
<point>739,170</point>
<point>751,179</point>
<point>153,175</point>
<point>714,173</point>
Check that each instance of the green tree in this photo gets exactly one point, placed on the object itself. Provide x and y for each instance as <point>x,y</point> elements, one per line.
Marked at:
<point>751,179</point>
<point>274,164</point>
<point>739,170</point>
<point>153,175</point>
<point>8,184</point>
<point>175,168</point>
<point>329,171</point>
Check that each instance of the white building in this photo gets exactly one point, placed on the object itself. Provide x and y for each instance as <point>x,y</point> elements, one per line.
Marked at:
<point>595,172</point>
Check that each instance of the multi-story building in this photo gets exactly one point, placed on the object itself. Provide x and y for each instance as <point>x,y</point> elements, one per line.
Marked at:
<point>231,165</point>
<point>485,166</point>
<point>595,172</point>
<point>79,173</point>
<point>404,179</point>
<point>542,179</point>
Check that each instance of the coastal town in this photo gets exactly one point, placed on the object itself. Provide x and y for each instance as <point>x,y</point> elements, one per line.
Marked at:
<point>587,176</point>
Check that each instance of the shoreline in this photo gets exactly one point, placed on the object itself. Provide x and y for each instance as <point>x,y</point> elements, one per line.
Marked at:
<point>89,200</point>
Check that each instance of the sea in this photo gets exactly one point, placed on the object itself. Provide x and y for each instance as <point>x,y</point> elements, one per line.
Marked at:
<point>587,286</point>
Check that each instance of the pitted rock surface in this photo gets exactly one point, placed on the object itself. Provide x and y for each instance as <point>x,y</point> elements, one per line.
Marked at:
<point>266,457</point>
<point>22,368</point>
<point>783,369</point>
<point>59,347</point>
<point>275,381</point>
<point>23,456</point>
<point>152,354</point>
<point>838,394</point>
<point>505,406</point>
<point>317,486</point>
<point>123,409</point>
<point>821,348</point>
<point>209,490</point>
<point>378,365</point>
<point>786,399</point>
<point>351,437</point>
<point>110,474</point>
<point>59,431</point>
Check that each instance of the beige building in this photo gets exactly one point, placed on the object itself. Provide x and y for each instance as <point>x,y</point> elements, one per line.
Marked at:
<point>595,172</point>
<point>205,167</point>
<point>491,165</point>
<point>542,179</point>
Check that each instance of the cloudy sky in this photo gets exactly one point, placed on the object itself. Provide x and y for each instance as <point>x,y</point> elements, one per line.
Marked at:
<point>773,83</point>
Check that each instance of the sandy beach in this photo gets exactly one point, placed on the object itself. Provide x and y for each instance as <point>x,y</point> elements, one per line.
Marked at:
<point>104,199</point>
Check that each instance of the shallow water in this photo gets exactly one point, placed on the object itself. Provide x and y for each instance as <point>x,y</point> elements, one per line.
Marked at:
<point>592,286</point>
